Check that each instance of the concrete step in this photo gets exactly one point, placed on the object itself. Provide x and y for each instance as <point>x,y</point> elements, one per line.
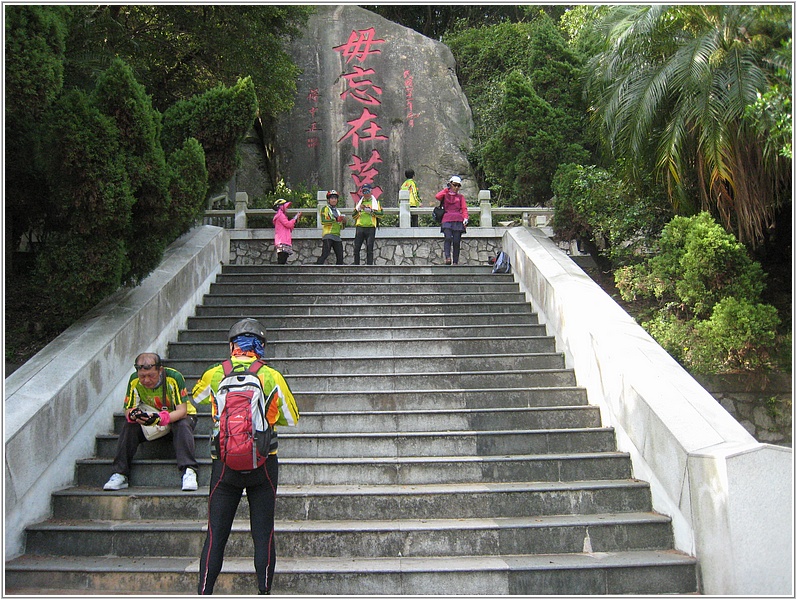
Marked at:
<point>358,299</point>
<point>338,320</point>
<point>421,420</point>
<point>336,289</point>
<point>364,271</point>
<point>339,278</point>
<point>397,444</point>
<point>425,399</point>
<point>377,328</point>
<point>403,381</point>
<point>559,534</point>
<point>476,499</point>
<point>374,348</point>
<point>612,573</point>
<point>258,305</point>
<point>408,470</point>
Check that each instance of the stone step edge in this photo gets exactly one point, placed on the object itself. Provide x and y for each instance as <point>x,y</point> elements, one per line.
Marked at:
<point>306,414</point>
<point>451,391</point>
<point>285,433</point>
<point>447,411</point>
<point>392,460</point>
<point>318,565</point>
<point>385,316</point>
<point>419,489</point>
<point>403,374</point>
<point>399,340</point>
<point>367,525</point>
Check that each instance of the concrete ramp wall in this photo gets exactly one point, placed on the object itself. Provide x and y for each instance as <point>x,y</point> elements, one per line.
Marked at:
<point>729,496</point>
<point>64,396</point>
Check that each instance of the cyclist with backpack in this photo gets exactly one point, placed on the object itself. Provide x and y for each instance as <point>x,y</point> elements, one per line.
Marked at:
<point>247,400</point>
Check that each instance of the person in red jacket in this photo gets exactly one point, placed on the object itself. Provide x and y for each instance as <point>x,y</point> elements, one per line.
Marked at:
<point>455,218</point>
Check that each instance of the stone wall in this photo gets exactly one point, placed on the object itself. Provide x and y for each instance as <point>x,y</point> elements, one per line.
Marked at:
<point>764,409</point>
<point>414,249</point>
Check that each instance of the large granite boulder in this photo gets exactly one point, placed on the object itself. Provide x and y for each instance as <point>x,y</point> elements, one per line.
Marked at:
<point>374,99</point>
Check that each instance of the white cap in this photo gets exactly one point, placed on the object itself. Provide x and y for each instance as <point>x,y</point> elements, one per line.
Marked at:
<point>455,179</point>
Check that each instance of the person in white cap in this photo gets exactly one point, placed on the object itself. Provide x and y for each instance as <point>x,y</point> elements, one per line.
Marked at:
<point>455,218</point>
<point>283,228</point>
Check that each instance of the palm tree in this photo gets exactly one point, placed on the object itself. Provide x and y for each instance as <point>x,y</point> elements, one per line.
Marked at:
<point>669,92</point>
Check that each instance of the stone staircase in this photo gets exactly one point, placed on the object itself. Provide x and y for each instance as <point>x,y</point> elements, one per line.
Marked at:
<point>443,448</point>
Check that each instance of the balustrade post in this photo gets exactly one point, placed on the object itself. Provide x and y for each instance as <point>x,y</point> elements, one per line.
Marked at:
<point>486,219</point>
<point>321,202</point>
<point>241,203</point>
<point>404,209</point>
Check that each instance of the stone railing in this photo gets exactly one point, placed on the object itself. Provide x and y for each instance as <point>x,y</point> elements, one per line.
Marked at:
<point>530,216</point>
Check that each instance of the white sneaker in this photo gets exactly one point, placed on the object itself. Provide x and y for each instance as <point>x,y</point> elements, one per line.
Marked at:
<point>189,480</point>
<point>116,482</point>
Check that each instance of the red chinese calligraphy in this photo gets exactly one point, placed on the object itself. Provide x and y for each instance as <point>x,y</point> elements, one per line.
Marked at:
<point>359,131</point>
<point>408,93</point>
<point>360,89</point>
<point>364,171</point>
<point>359,45</point>
<point>312,97</point>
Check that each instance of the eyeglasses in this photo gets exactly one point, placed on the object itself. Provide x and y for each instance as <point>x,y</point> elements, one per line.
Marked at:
<point>144,367</point>
<point>456,185</point>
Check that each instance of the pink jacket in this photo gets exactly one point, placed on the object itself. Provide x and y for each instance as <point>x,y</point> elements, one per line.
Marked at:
<point>455,205</point>
<point>283,227</point>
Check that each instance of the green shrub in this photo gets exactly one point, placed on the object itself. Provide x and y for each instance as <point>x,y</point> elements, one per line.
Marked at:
<point>188,187</point>
<point>739,336</point>
<point>119,96</point>
<point>83,256</point>
<point>708,289</point>
<point>698,263</point>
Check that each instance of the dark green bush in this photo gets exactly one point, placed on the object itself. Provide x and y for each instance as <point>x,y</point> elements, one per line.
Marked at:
<point>218,119</point>
<point>188,187</point>
<point>119,96</point>
<point>83,256</point>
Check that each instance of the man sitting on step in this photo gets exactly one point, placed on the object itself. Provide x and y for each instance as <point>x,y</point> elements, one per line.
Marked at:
<point>156,396</point>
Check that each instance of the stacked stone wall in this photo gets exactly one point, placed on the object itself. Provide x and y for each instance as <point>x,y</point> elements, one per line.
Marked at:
<point>421,251</point>
<point>763,408</point>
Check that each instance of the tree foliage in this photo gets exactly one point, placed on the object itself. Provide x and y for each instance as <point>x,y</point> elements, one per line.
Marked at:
<point>595,205</point>
<point>83,257</point>
<point>670,90</point>
<point>119,96</point>
<point>218,120</point>
<point>178,51</point>
<point>34,55</point>
<point>188,187</point>
<point>438,20</point>
<point>523,84</point>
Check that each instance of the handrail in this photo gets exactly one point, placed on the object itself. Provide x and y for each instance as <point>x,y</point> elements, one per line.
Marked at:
<point>531,216</point>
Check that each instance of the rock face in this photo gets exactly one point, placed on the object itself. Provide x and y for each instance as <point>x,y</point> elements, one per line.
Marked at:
<point>374,99</point>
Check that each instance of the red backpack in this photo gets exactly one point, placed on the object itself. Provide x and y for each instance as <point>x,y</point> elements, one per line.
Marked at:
<point>244,432</point>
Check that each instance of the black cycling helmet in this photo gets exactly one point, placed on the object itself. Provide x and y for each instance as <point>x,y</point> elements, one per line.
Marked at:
<point>247,326</point>
<point>331,193</point>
